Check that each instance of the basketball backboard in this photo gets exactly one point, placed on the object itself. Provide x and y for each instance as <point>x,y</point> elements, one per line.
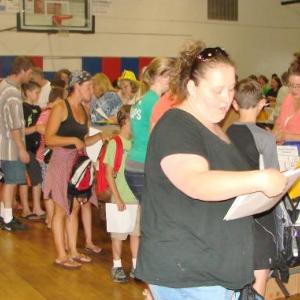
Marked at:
<point>56,16</point>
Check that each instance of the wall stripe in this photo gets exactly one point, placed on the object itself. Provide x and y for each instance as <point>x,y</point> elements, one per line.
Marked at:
<point>92,64</point>
<point>111,66</point>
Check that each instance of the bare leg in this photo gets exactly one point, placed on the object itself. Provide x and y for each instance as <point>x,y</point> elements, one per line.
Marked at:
<point>36,196</point>
<point>8,192</point>
<point>49,205</point>
<point>23,189</point>
<point>58,229</point>
<point>86,217</point>
<point>261,279</point>
<point>116,246</point>
<point>134,245</point>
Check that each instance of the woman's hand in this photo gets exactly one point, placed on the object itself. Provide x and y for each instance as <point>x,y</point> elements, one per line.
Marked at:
<point>79,144</point>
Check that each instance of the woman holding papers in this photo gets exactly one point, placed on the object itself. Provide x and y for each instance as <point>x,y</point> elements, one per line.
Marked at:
<point>287,125</point>
<point>192,175</point>
<point>66,133</point>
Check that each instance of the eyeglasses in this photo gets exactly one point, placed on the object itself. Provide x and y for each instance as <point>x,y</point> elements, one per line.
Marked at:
<point>209,53</point>
<point>294,86</point>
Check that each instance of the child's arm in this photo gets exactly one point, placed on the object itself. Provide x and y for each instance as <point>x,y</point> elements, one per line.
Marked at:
<point>110,177</point>
<point>35,128</point>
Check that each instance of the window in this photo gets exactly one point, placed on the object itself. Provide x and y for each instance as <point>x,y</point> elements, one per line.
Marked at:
<point>222,10</point>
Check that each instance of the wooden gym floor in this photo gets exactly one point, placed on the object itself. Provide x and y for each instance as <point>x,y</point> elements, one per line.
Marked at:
<point>27,271</point>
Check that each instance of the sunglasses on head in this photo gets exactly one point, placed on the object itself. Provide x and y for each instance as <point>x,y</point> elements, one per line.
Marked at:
<point>209,53</point>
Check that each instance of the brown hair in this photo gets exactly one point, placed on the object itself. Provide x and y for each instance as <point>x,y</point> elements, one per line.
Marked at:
<point>21,63</point>
<point>30,86</point>
<point>248,93</point>
<point>294,68</point>
<point>123,114</point>
<point>55,93</point>
<point>192,63</point>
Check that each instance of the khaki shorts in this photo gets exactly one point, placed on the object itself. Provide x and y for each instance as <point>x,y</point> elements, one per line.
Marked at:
<point>135,232</point>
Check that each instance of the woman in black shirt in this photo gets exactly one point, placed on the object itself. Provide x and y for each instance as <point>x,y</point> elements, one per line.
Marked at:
<point>187,250</point>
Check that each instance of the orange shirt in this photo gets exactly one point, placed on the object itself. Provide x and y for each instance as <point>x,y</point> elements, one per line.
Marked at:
<point>164,103</point>
<point>289,118</point>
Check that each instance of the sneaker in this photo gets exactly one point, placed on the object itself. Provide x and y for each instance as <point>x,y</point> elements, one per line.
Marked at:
<point>14,225</point>
<point>118,275</point>
<point>131,274</point>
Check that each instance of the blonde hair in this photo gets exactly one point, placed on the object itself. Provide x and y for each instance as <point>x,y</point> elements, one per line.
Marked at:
<point>158,66</point>
<point>103,82</point>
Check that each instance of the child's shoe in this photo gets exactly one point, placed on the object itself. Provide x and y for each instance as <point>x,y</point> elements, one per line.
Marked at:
<point>118,275</point>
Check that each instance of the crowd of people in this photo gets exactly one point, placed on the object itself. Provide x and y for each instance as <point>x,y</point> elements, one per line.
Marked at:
<point>178,164</point>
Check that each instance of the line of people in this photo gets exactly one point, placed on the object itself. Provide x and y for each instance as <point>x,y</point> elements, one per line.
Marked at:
<point>177,163</point>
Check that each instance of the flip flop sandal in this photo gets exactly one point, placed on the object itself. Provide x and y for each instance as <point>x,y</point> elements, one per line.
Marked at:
<point>81,258</point>
<point>95,249</point>
<point>31,217</point>
<point>67,264</point>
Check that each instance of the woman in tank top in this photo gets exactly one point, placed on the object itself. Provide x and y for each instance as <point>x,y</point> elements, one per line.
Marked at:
<point>66,133</point>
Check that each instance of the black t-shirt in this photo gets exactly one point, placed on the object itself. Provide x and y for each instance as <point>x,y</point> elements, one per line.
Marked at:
<point>252,141</point>
<point>31,115</point>
<point>185,242</point>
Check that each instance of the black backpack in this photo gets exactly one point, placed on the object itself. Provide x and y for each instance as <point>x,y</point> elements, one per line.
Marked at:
<point>288,237</point>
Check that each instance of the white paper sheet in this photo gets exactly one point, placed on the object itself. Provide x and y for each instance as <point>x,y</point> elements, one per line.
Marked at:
<point>94,150</point>
<point>288,156</point>
<point>120,221</point>
<point>251,204</point>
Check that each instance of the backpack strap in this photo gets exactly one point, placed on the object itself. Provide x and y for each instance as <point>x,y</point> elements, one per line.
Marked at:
<point>119,153</point>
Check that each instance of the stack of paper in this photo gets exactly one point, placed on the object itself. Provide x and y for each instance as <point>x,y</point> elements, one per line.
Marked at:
<point>252,204</point>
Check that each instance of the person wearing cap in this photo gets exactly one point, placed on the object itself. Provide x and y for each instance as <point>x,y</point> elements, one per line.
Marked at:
<point>66,134</point>
<point>106,102</point>
<point>128,86</point>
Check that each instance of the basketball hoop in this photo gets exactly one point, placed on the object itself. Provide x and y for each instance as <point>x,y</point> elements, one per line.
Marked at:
<point>57,20</point>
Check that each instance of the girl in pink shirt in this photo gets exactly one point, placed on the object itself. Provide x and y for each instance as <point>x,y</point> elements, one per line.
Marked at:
<point>287,125</point>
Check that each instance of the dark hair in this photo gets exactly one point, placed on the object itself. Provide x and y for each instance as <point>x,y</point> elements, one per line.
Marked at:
<point>192,64</point>
<point>56,92</point>
<point>264,78</point>
<point>294,68</point>
<point>277,79</point>
<point>21,63</point>
<point>247,93</point>
<point>30,86</point>
<point>253,77</point>
<point>58,83</point>
<point>123,114</point>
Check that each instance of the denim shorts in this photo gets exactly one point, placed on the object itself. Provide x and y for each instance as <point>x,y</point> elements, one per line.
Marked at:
<point>193,293</point>
<point>14,171</point>
<point>135,181</point>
